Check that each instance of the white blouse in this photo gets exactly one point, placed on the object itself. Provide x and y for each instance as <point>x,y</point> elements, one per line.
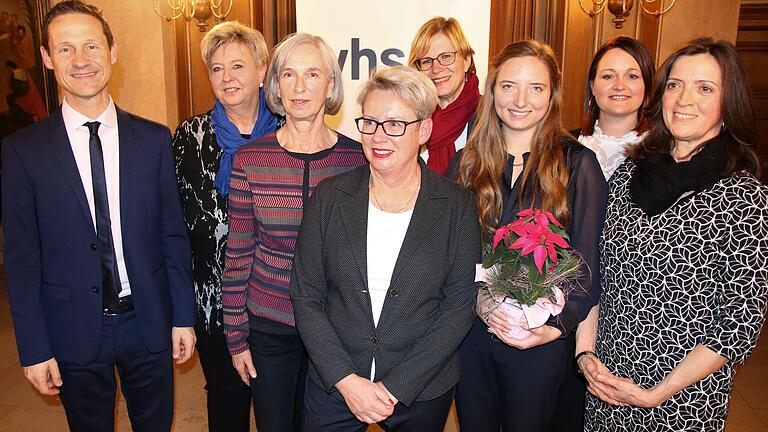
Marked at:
<point>386,232</point>
<point>608,149</point>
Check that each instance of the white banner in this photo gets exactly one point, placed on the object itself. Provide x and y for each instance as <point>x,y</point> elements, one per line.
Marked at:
<point>366,34</point>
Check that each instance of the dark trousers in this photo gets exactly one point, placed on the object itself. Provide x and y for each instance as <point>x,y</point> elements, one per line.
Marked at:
<point>324,412</point>
<point>515,390</point>
<point>146,380</point>
<point>278,389</point>
<point>229,399</point>
<point>571,399</point>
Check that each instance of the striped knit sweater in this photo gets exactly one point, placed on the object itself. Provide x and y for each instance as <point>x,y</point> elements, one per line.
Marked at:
<point>268,188</point>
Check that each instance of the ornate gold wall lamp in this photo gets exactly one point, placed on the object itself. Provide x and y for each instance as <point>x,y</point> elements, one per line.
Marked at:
<point>200,10</point>
<point>621,8</point>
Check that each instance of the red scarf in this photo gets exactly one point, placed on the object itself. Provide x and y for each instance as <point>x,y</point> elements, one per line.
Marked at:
<point>448,123</point>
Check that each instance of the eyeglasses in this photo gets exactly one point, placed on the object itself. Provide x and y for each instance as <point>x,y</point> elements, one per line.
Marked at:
<point>393,128</point>
<point>445,59</point>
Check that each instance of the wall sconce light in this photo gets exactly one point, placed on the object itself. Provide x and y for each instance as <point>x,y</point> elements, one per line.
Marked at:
<point>621,8</point>
<point>200,10</point>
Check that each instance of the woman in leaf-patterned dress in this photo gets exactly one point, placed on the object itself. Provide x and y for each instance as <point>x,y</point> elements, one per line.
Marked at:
<point>685,255</point>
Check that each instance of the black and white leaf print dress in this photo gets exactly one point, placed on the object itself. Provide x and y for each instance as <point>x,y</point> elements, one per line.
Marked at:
<point>205,211</point>
<point>694,274</point>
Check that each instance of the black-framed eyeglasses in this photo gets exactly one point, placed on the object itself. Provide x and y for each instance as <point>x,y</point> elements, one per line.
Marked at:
<point>393,128</point>
<point>445,59</point>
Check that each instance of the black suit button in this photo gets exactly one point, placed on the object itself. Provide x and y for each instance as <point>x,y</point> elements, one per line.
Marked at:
<point>375,340</point>
<point>93,246</point>
<point>393,292</point>
<point>95,289</point>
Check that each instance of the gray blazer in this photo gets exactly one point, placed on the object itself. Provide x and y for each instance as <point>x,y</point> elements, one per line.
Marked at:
<point>429,308</point>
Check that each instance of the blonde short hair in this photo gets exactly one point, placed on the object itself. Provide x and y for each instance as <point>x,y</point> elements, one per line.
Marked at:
<point>412,87</point>
<point>232,31</point>
<point>450,28</point>
<point>280,56</point>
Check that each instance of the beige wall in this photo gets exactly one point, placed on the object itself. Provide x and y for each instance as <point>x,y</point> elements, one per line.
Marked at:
<point>690,19</point>
<point>685,21</point>
<point>144,80</point>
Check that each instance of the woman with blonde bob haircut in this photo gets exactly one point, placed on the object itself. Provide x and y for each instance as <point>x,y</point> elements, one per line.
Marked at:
<point>383,276</point>
<point>233,31</point>
<point>272,179</point>
<point>236,57</point>
<point>519,157</point>
<point>441,52</point>
<point>416,91</point>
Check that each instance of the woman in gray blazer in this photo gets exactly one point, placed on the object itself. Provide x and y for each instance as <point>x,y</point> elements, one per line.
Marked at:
<point>383,277</point>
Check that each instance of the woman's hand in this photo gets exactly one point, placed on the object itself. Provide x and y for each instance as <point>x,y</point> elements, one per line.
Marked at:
<point>626,392</point>
<point>498,320</point>
<point>615,390</point>
<point>243,364</point>
<point>391,398</point>
<point>592,367</point>
<point>697,365</point>
<point>369,402</point>
<point>539,336</point>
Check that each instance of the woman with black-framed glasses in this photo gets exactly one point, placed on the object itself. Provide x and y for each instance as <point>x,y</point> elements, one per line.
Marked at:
<point>441,52</point>
<point>383,276</point>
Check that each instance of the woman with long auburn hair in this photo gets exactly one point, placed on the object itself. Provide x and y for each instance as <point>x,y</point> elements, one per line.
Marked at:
<point>519,156</point>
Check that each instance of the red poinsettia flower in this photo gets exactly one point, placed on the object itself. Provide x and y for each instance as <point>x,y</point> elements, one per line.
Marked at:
<point>540,216</point>
<point>518,227</point>
<point>540,241</point>
<point>499,234</point>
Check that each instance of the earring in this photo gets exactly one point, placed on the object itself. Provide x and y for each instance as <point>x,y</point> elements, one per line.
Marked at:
<point>261,85</point>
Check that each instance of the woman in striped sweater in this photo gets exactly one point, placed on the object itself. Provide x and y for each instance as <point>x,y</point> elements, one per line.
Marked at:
<point>271,180</point>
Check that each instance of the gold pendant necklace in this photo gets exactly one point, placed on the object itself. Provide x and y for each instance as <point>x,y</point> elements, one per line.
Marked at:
<point>399,210</point>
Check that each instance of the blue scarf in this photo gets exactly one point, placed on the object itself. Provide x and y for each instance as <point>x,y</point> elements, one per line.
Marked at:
<point>228,137</point>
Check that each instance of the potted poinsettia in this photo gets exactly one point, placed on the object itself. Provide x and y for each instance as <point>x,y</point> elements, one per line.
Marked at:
<point>529,270</point>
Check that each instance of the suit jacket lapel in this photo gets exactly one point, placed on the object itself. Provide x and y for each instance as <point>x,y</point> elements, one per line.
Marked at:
<point>354,217</point>
<point>126,151</point>
<point>63,149</point>
<point>426,212</point>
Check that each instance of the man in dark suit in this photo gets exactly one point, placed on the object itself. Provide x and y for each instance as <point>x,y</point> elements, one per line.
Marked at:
<point>96,251</point>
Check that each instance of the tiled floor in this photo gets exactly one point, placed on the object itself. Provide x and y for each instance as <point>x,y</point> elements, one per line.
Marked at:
<point>23,409</point>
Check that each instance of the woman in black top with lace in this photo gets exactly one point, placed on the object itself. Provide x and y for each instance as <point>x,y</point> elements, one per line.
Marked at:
<point>520,157</point>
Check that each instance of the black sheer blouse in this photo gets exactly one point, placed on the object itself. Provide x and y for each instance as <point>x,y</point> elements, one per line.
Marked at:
<point>587,195</point>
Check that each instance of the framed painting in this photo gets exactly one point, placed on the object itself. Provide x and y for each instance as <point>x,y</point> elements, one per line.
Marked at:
<point>27,88</point>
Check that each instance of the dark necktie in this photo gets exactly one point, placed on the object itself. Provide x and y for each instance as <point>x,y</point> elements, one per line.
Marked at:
<point>109,276</point>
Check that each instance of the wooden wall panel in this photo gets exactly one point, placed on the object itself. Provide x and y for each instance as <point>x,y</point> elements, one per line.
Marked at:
<point>510,21</point>
<point>690,19</point>
<point>577,49</point>
<point>274,18</point>
<point>752,43</point>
